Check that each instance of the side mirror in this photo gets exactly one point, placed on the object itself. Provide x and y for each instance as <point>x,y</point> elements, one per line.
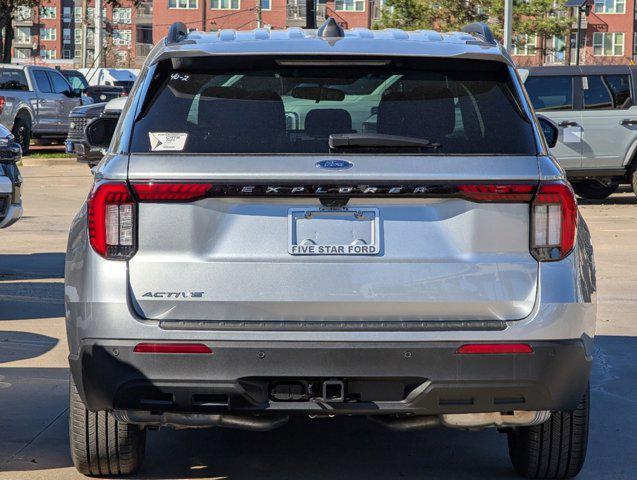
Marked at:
<point>100,132</point>
<point>549,129</point>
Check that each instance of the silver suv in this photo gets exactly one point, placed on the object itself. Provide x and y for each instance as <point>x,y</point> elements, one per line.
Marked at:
<point>594,107</point>
<point>255,248</point>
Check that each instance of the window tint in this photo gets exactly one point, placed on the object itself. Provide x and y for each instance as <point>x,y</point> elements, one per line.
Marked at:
<point>607,92</point>
<point>468,107</point>
<point>13,80</point>
<point>550,93</point>
<point>42,81</point>
<point>60,85</point>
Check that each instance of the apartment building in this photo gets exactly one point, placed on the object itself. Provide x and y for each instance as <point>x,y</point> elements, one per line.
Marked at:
<point>52,33</point>
<point>609,36</point>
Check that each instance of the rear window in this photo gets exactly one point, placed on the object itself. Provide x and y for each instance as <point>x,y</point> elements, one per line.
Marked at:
<point>461,106</point>
<point>13,80</point>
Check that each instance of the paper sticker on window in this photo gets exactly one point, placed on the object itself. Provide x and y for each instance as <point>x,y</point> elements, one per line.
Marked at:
<point>167,141</point>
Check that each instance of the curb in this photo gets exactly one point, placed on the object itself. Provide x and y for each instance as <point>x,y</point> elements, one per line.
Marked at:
<point>48,162</point>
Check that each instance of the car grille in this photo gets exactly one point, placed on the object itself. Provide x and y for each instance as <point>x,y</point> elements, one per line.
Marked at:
<point>5,200</point>
<point>78,124</point>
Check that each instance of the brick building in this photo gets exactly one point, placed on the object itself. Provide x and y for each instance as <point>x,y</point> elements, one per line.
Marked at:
<point>608,37</point>
<point>52,33</point>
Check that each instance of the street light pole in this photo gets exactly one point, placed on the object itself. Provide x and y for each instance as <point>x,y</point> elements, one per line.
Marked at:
<point>508,25</point>
<point>578,34</point>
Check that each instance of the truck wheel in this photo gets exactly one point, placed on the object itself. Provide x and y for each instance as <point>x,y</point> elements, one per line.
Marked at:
<point>554,449</point>
<point>22,133</point>
<point>594,190</point>
<point>100,444</point>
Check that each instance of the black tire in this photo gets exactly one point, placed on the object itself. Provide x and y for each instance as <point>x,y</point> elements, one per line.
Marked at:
<point>554,449</point>
<point>633,180</point>
<point>593,190</point>
<point>100,444</point>
<point>22,133</point>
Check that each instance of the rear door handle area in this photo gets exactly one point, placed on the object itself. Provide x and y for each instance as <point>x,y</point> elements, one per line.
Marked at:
<point>567,123</point>
<point>629,121</point>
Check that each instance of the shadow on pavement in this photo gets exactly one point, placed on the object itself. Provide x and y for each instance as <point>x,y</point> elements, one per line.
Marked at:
<point>30,300</point>
<point>22,345</point>
<point>29,266</point>
<point>351,448</point>
<point>612,200</point>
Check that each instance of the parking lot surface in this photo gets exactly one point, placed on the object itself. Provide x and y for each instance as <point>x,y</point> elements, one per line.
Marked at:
<point>34,374</point>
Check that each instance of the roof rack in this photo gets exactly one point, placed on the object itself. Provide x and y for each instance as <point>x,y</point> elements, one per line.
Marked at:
<point>481,30</point>
<point>176,33</point>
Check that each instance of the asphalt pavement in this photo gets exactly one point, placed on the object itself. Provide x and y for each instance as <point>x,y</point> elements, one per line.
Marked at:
<point>34,375</point>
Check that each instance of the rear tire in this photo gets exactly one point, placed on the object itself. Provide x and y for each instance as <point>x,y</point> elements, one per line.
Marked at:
<point>100,444</point>
<point>593,190</point>
<point>554,449</point>
<point>22,133</point>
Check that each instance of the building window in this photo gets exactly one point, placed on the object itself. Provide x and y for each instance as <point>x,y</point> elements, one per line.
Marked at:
<point>48,33</point>
<point>525,45</point>
<point>121,37</point>
<point>22,53</point>
<point>556,53</point>
<point>48,54</point>
<point>610,6</point>
<point>122,15</point>
<point>227,4</point>
<point>266,5</point>
<point>183,4</point>
<point>66,14</point>
<point>48,13</point>
<point>24,14</point>
<point>67,54</point>
<point>77,13</point>
<point>66,35</point>
<point>350,5</point>
<point>608,44</point>
<point>23,34</point>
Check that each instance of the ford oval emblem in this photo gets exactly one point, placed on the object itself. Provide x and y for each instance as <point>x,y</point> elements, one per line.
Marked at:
<point>335,164</point>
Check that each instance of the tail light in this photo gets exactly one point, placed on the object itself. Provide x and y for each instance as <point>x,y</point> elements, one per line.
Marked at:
<point>3,102</point>
<point>111,220</point>
<point>554,222</point>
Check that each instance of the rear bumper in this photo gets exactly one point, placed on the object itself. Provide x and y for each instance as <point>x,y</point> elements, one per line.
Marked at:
<point>426,378</point>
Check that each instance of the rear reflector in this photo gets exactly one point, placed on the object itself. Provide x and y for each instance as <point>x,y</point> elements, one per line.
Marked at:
<point>172,348</point>
<point>494,348</point>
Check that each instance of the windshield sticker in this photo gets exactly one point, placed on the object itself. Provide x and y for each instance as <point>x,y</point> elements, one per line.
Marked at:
<point>167,141</point>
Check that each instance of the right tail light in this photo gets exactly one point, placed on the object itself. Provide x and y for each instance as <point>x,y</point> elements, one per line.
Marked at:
<point>553,221</point>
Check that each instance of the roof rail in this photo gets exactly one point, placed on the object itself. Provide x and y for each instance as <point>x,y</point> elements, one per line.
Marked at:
<point>481,30</point>
<point>176,33</point>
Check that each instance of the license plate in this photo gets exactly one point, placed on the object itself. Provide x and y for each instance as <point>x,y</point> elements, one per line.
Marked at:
<point>314,231</point>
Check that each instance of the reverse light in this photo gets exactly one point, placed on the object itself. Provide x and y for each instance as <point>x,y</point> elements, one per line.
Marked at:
<point>111,220</point>
<point>553,221</point>
<point>183,348</point>
<point>3,102</point>
<point>494,348</point>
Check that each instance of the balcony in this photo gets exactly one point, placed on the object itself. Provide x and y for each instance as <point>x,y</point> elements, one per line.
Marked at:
<point>143,49</point>
<point>144,13</point>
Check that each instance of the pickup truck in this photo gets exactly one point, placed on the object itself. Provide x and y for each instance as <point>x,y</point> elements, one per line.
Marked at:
<point>35,103</point>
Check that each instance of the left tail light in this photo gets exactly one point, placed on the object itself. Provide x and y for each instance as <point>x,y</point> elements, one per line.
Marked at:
<point>112,221</point>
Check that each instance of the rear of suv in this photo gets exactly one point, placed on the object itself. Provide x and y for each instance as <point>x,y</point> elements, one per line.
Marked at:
<point>423,264</point>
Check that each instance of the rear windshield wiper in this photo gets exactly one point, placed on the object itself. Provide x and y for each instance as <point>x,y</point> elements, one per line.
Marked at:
<point>339,141</point>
